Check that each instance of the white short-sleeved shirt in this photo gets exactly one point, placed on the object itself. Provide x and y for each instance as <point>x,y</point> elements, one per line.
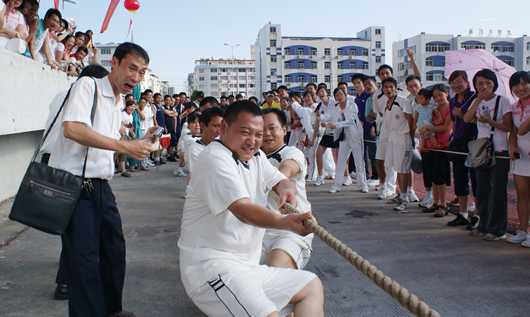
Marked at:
<point>326,111</point>
<point>379,101</point>
<point>194,151</point>
<point>394,118</point>
<point>520,116</point>
<point>148,122</point>
<point>13,19</point>
<point>69,155</point>
<point>57,101</point>
<point>214,241</point>
<point>185,141</point>
<point>307,117</point>
<point>126,119</point>
<point>500,139</point>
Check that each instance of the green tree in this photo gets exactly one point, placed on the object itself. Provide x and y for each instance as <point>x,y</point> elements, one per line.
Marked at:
<point>193,96</point>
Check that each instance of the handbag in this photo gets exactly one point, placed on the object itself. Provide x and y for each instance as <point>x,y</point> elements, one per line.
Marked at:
<point>481,155</point>
<point>458,145</point>
<point>47,196</point>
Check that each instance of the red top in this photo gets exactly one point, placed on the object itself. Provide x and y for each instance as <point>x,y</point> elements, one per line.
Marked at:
<point>441,138</point>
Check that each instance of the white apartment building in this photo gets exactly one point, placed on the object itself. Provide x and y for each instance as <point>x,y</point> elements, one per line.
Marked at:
<point>224,77</point>
<point>296,61</point>
<point>430,53</point>
<point>105,53</point>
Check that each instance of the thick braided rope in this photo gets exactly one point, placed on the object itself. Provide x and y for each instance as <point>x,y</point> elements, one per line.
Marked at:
<point>401,294</point>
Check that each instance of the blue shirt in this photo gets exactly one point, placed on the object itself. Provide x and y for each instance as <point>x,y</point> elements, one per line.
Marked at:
<point>360,101</point>
<point>463,129</point>
<point>160,118</point>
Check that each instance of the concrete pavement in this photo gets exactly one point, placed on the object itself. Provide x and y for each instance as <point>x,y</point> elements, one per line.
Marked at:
<point>453,272</point>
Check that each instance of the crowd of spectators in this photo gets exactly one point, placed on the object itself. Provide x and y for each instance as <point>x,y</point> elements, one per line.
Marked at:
<point>51,40</point>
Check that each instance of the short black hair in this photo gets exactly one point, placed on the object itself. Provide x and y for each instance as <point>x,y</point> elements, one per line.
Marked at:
<point>79,33</point>
<point>167,96</point>
<point>208,114</point>
<point>141,99</point>
<point>96,71</point>
<point>322,86</point>
<point>309,92</point>
<point>182,93</point>
<point>342,83</point>
<point>253,98</point>
<point>389,79</point>
<point>147,91</point>
<point>383,67</point>
<point>427,93</point>
<point>53,11</point>
<point>411,78</point>
<point>294,94</point>
<point>280,114</point>
<point>189,105</point>
<point>129,103</point>
<point>82,49</point>
<point>239,96</point>
<point>311,84</point>
<point>517,77</point>
<point>231,96</point>
<point>372,78</point>
<point>199,94</point>
<point>63,22</point>
<point>157,94</point>
<point>194,116</point>
<point>223,97</point>
<point>130,48</point>
<point>336,90</point>
<point>232,112</point>
<point>357,76</point>
<point>128,95</point>
<point>283,87</point>
<point>457,73</point>
<point>488,74</point>
<point>208,100</point>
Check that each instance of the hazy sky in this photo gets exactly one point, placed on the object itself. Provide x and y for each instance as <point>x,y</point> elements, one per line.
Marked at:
<point>176,33</point>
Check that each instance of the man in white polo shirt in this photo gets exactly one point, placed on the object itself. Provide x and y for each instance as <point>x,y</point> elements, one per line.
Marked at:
<point>93,243</point>
<point>220,243</point>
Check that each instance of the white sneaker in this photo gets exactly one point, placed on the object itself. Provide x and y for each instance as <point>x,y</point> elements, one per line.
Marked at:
<point>180,172</point>
<point>148,163</point>
<point>333,190</point>
<point>412,196</point>
<point>352,174</point>
<point>383,194</point>
<point>427,202</point>
<point>380,187</point>
<point>320,181</point>
<point>471,207</point>
<point>372,182</point>
<point>347,181</point>
<point>521,236</point>
<point>526,243</point>
<point>364,189</point>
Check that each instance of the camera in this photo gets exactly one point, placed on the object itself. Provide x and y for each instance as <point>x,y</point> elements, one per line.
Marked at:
<point>158,133</point>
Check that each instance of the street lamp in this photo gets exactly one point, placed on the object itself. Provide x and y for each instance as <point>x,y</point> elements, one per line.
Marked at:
<point>232,46</point>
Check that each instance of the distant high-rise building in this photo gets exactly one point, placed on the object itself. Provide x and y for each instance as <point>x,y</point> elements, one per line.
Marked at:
<point>218,77</point>
<point>296,61</point>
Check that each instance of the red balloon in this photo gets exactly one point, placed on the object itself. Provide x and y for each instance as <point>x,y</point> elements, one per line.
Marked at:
<point>132,5</point>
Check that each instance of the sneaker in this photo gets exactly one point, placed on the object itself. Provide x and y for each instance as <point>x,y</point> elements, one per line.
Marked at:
<point>171,158</point>
<point>477,233</point>
<point>402,205</point>
<point>364,189</point>
<point>144,168</point>
<point>347,181</point>
<point>394,200</point>
<point>412,197</point>
<point>473,222</point>
<point>526,243</point>
<point>331,177</point>
<point>126,174</point>
<point>372,182</point>
<point>352,174</point>
<point>320,181</point>
<point>333,191</point>
<point>520,237</point>
<point>426,202</point>
<point>454,203</point>
<point>181,173</point>
<point>132,169</point>
<point>492,237</point>
<point>61,292</point>
<point>471,207</point>
<point>382,194</point>
<point>162,162</point>
<point>458,221</point>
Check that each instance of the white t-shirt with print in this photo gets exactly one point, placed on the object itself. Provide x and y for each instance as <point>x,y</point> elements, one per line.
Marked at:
<point>379,101</point>
<point>500,139</point>
<point>395,116</point>
<point>213,240</point>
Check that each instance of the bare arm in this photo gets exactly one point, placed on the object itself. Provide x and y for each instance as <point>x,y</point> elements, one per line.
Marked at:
<point>33,28</point>
<point>415,66</point>
<point>289,168</point>
<point>415,125</point>
<point>140,114</point>
<point>439,128</point>
<point>409,118</point>
<point>505,126</point>
<point>524,128</point>
<point>48,53</point>
<point>95,57</point>
<point>513,142</point>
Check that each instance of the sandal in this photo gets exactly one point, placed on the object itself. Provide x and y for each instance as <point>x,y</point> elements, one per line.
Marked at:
<point>439,214</point>
<point>432,208</point>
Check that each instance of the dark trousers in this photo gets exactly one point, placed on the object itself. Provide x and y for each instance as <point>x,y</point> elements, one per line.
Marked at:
<point>94,254</point>
<point>369,153</point>
<point>492,197</point>
<point>461,176</point>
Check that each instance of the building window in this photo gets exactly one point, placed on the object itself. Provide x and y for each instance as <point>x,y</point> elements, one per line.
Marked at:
<point>313,79</point>
<point>223,85</point>
<point>353,65</point>
<point>300,65</point>
<point>287,65</point>
<point>251,85</point>
<point>428,62</point>
<point>273,29</point>
<point>365,52</point>
<point>105,51</point>
<point>327,51</point>
<point>313,51</point>
<point>222,70</point>
<point>434,77</point>
<point>242,70</point>
<point>201,86</point>
<point>377,44</point>
<point>286,51</point>
<point>213,78</point>
<point>339,51</point>
<point>528,46</point>
<point>377,31</point>
<point>215,94</point>
<point>466,46</point>
<point>242,78</point>
<point>242,86</point>
<point>105,63</point>
<point>378,59</point>
<point>273,58</point>
<point>339,78</point>
<point>313,65</point>
<point>403,52</point>
<point>273,71</point>
<point>213,86</point>
<point>327,79</point>
<point>233,77</point>
<point>339,65</point>
<point>509,61</point>
<point>223,78</point>
<point>287,79</point>
<point>353,52</point>
<point>273,43</point>
<point>201,78</point>
<point>365,65</point>
<point>233,85</point>
<point>251,70</point>
<point>213,70</point>
<point>273,86</point>
<point>327,65</point>
<point>300,79</point>
<point>496,48</point>
<point>437,47</point>
<point>201,71</point>
<point>300,51</point>
<point>509,48</point>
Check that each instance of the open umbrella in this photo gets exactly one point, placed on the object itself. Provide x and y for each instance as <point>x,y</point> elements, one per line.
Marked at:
<point>472,61</point>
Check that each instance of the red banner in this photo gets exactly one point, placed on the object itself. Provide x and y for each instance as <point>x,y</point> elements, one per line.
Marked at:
<point>56,4</point>
<point>130,24</point>
<point>110,12</point>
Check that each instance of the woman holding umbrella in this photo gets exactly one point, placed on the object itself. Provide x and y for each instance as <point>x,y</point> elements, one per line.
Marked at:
<point>492,195</point>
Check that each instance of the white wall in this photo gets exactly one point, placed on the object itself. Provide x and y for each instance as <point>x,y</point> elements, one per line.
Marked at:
<point>28,88</point>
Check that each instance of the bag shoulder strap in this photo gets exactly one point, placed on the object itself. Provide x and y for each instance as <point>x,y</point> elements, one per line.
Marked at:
<point>495,116</point>
<point>92,115</point>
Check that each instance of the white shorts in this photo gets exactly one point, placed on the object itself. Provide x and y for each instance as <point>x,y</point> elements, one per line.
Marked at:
<point>520,167</point>
<point>399,153</point>
<point>256,292</point>
<point>380,153</point>
<point>298,247</point>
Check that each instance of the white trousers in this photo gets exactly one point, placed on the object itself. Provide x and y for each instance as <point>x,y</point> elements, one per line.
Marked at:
<point>294,139</point>
<point>329,162</point>
<point>356,148</point>
<point>310,153</point>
